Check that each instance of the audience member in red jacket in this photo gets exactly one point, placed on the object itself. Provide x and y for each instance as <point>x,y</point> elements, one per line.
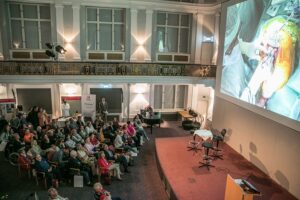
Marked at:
<point>24,161</point>
<point>106,166</point>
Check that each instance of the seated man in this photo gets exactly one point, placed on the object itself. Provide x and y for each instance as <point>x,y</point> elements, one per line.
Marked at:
<point>74,162</point>
<point>101,194</point>
<point>120,158</point>
<point>41,165</point>
<point>86,158</point>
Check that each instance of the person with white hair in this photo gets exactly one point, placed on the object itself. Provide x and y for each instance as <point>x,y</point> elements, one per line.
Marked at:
<point>101,194</point>
<point>53,195</point>
<point>107,166</point>
<point>74,162</point>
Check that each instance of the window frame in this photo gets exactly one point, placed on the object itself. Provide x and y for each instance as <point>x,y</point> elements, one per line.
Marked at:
<point>179,27</point>
<point>175,108</point>
<point>112,23</point>
<point>22,19</point>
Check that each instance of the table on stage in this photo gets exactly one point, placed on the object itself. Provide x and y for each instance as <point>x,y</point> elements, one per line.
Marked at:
<point>185,114</point>
<point>203,134</point>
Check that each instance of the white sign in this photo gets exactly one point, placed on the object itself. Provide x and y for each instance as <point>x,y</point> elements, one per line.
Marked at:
<point>88,105</point>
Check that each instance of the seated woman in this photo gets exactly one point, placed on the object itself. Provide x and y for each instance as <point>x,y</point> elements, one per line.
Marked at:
<point>133,134</point>
<point>74,162</point>
<point>28,137</point>
<point>35,149</point>
<point>139,127</point>
<point>123,159</point>
<point>106,166</point>
<point>24,161</point>
<point>89,146</point>
<point>94,140</point>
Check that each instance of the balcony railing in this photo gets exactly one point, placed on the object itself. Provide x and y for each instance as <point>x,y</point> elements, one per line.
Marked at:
<point>102,69</point>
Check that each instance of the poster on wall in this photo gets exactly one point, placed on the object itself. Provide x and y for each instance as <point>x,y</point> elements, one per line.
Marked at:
<point>88,106</point>
<point>7,107</point>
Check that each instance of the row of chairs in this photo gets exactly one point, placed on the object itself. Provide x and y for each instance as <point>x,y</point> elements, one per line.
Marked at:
<point>41,176</point>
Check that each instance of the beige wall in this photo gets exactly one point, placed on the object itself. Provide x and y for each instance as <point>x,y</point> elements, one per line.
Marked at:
<point>272,147</point>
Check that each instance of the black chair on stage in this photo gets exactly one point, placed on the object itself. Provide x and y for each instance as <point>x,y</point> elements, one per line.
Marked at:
<point>218,138</point>
<point>194,144</point>
<point>187,124</point>
<point>206,158</point>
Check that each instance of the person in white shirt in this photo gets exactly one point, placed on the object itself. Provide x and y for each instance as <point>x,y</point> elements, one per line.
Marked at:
<point>89,128</point>
<point>65,109</point>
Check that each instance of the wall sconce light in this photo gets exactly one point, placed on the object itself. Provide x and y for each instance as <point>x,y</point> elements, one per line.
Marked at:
<point>53,50</point>
<point>140,88</point>
<point>208,39</point>
<point>70,89</point>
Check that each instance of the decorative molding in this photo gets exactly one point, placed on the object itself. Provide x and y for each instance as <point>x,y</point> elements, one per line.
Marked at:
<point>32,79</point>
<point>105,69</point>
<point>138,4</point>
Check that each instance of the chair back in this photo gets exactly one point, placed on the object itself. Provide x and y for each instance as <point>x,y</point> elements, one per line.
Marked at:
<point>74,171</point>
<point>223,132</point>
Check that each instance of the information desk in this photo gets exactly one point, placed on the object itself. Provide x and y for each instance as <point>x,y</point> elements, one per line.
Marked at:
<point>185,114</point>
<point>152,119</point>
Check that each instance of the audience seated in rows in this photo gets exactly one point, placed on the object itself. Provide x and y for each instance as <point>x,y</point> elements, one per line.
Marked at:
<point>85,146</point>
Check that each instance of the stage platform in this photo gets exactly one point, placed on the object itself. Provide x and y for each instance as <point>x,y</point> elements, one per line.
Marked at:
<point>184,180</point>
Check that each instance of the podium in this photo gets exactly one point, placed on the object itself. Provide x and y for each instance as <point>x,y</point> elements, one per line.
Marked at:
<point>238,189</point>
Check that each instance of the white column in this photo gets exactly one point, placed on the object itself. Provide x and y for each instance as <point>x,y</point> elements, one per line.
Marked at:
<point>1,47</point>
<point>198,38</point>
<point>148,35</point>
<point>133,31</point>
<point>76,31</point>
<point>216,39</point>
<point>128,100</point>
<point>60,27</point>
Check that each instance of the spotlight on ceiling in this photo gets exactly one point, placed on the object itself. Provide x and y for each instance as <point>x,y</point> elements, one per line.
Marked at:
<point>54,50</point>
<point>50,46</point>
<point>50,53</point>
<point>60,49</point>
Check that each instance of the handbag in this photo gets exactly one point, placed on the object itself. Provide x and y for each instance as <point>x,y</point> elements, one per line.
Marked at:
<point>3,145</point>
<point>78,181</point>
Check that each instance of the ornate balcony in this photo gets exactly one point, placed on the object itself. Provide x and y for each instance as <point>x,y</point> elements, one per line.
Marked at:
<point>104,69</point>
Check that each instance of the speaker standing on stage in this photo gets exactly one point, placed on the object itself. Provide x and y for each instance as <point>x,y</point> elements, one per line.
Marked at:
<point>65,109</point>
<point>103,107</point>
